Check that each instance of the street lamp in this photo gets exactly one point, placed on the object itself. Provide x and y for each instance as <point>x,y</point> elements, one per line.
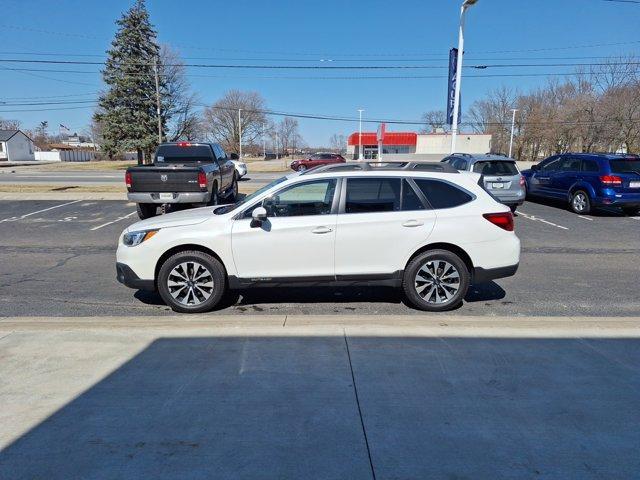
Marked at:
<point>360,135</point>
<point>513,124</point>
<point>456,98</point>
<point>240,133</point>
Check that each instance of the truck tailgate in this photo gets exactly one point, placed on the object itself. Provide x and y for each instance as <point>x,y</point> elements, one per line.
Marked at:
<point>152,179</point>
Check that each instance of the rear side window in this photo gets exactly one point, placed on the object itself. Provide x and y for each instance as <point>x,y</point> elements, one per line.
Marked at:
<point>441,194</point>
<point>191,153</point>
<point>410,199</point>
<point>590,166</point>
<point>625,165</point>
<point>365,195</point>
<point>497,167</point>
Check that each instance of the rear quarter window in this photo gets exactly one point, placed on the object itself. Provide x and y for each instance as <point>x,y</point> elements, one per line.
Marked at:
<point>441,194</point>
<point>497,167</point>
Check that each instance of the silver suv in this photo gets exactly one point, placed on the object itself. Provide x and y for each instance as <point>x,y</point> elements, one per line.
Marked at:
<point>500,175</point>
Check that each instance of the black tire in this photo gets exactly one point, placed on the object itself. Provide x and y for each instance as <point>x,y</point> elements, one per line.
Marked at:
<point>146,210</point>
<point>301,168</point>
<point>194,280</point>
<point>580,202</point>
<point>631,211</point>
<point>214,200</point>
<point>233,194</point>
<point>513,208</point>
<point>432,302</point>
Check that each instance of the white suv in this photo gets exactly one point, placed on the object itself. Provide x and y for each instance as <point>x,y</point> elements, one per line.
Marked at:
<point>424,227</point>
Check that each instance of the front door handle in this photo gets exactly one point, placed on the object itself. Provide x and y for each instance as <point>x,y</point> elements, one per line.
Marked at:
<point>412,223</point>
<point>320,230</point>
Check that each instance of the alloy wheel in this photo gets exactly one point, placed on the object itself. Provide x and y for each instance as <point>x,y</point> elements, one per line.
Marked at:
<point>190,283</point>
<point>437,281</point>
<point>579,202</point>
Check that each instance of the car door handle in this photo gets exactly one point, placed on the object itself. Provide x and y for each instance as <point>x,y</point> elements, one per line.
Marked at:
<point>412,223</point>
<point>320,230</point>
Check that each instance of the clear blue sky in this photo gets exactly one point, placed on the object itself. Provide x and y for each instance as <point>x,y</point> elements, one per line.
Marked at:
<point>313,30</point>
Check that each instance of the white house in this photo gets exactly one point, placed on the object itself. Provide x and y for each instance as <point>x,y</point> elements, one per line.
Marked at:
<point>15,146</point>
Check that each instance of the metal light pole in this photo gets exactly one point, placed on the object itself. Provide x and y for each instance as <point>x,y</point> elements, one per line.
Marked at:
<point>513,124</point>
<point>158,103</point>
<point>360,135</point>
<point>264,143</point>
<point>240,132</point>
<point>456,99</point>
<point>277,155</point>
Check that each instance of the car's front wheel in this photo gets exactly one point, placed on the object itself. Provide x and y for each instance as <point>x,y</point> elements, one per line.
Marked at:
<point>191,282</point>
<point>301,168</point>
<point>436,280</point>
<point>146,210</point>
<point>580,202</point>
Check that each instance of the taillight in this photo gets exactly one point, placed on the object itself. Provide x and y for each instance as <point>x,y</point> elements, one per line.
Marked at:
<point>503,220</point>
<point>522,181</point>
<point>611,180</point>
<point>184,144</point>
<point>127,179</point>
<point>202,180</point>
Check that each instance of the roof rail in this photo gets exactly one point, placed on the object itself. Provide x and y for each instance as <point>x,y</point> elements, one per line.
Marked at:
<point>462,154</point>
<point>389,166</point>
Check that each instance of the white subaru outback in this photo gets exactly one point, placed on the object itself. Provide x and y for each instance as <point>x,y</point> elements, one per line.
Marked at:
<point>423,227</point>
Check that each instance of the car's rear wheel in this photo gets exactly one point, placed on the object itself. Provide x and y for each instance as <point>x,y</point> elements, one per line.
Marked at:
<point>301,168</point>
<point>513,208</point>
<point>146,210</point>
<point>580,202</point>
<point>436,280</point>
<point>191,282</point>
<point>631,211</point>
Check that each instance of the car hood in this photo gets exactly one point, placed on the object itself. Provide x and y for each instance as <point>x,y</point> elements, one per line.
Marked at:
<point>176,219</point>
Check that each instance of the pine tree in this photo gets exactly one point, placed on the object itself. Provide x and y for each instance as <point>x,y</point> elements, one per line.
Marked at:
<point>127,109</point>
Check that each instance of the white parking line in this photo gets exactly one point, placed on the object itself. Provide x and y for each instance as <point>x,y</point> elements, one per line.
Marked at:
<point>112,222</point>
<point>585,218</point>
<point>538,219</point>
<point>13,219</point>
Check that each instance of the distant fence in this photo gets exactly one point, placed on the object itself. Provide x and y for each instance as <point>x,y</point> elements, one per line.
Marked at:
<point>66,156</point>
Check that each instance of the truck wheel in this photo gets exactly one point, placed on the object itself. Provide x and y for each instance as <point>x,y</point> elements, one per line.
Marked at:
<point>214,196</point>
<point>191,282</point>
<point>146,210</point>
<point>233,194</point>
<point>436,280</point>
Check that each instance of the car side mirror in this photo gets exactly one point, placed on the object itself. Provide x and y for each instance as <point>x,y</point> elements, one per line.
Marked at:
<point>535,168</point>
<point>259,214</point>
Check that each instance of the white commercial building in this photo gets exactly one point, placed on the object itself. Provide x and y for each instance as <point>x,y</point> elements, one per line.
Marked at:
<point>411,145</point>
<point>15,146</point>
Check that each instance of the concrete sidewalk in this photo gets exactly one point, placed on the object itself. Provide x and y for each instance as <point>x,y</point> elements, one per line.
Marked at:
<point>409,397</point>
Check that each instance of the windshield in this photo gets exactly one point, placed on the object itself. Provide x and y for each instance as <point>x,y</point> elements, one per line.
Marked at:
<point>498,167</point>
<point>181,154</point>
<point>249,198</point>
<point>625,165</point>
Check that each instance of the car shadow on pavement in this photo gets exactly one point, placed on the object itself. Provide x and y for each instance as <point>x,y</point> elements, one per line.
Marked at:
<point>254,298</point>
<point>333,407</point>
<point>595,212</point>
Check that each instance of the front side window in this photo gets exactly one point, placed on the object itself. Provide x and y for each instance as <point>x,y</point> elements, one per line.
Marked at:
<point>570,164</point>
<point>366,195</point>
<point>441,194</point>
<point>309,198</point>
<point>550,166</point>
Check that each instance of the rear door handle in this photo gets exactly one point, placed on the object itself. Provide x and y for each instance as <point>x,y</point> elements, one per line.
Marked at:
<point>412,223</point>
<point>320,230</point>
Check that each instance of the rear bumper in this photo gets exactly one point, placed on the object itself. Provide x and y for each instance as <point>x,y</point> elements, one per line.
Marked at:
<point>179,197</point>
<point>128,277</point>
<point>482,275</point>
<point>632,200</point>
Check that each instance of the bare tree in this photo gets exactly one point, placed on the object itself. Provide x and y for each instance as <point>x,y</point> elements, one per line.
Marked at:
<point>338,143</point>
<point>435,120</point>
<point>179,103</point>
<point>9,124</point>
<point>220,121</point>
<point>288,134</point>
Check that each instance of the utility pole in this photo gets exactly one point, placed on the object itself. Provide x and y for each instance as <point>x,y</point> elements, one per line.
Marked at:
<point>360,135</point>
<point>513,124</point>
<point>240,132</point>
<point>277,156</point>
<point>158,111</point>
<point>264,143</point>
<point>456,98</point>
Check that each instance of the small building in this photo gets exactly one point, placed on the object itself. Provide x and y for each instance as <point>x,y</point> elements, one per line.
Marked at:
<point>418,146</point>
<point>15,146</point>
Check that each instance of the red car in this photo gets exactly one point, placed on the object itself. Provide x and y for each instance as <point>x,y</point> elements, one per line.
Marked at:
<point>316,160</point>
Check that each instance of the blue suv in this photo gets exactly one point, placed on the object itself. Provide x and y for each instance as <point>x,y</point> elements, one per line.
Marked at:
<point>588,180</point>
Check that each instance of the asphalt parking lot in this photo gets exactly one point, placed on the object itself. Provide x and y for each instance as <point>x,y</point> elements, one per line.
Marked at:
<point>57,259</point>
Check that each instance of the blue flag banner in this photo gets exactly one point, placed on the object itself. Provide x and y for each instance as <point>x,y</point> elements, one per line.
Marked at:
<point>453,79</point>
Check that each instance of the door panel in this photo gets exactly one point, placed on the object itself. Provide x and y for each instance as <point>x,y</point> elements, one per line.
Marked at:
<point>563,179</point>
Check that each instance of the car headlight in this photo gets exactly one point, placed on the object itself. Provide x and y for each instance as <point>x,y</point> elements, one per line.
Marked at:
<point>132,239</point>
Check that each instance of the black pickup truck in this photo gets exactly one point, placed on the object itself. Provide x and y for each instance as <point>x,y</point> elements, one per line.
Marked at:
<point>182,173</point>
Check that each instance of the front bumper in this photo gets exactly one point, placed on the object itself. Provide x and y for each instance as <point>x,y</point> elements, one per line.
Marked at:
<point>483,275</point>
<point>127,277</point>
<point>179,197</point>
